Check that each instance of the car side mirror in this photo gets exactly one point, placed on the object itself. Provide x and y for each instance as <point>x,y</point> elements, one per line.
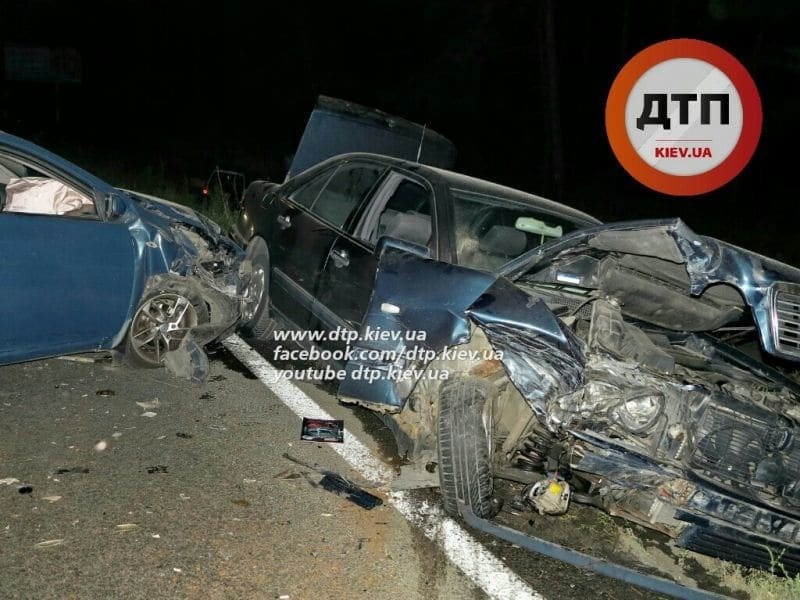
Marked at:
<point>391,242</point>
<point>114,206</point>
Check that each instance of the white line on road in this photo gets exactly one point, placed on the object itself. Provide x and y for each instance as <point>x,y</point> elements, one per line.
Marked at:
<point>353,451</point>
<point>478,564</point>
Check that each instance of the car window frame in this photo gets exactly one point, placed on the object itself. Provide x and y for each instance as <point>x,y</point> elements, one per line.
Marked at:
<point>345,228</point>
<point>78,186</point>
<point>433,245</point>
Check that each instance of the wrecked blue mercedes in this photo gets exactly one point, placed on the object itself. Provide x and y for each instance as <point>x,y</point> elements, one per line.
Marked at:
<point>87,266</point>
<point>638,367</point>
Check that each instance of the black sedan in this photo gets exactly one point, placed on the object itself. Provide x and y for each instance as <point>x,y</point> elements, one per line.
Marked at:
<point>638,367</point>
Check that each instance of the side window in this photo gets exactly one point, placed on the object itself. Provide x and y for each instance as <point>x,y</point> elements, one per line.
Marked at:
<point>401,209</point>
<point>345,191</point>
<point>25,190</point>
<point>407,215</point>
<point>490,231</point>
<point>307,194</point>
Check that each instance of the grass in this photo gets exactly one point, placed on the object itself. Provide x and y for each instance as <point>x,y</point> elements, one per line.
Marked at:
<point>757,585</point>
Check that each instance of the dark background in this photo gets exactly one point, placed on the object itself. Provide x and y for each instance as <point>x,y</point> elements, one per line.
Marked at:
<point>520,87</point>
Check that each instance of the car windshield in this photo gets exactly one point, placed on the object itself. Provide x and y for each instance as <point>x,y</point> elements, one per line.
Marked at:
<point>492,230</point>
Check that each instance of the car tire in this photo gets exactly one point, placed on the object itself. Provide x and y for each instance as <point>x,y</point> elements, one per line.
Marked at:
<point>256,321</point>
<point>161,321</point>
<point>465,453</point>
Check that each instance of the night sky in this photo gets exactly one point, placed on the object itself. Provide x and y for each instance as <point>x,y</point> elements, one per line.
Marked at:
<point>187,85</point>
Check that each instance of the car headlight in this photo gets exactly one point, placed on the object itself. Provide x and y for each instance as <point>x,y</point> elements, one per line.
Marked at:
<point>639,410</point>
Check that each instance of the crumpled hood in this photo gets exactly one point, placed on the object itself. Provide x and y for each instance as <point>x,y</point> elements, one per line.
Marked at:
<point>164,211</point>
<point>667,239</point>
<point>623,259</point>
<point>707,260</point>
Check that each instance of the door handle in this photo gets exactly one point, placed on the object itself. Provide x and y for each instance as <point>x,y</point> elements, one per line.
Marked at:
<point>340,258</point>
<point>285,221</point>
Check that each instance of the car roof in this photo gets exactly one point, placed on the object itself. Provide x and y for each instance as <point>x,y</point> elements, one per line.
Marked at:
<point>459,181</point>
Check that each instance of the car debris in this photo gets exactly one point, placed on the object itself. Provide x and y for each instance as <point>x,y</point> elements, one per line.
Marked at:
<point>322,430</point>
<point>340,485</point>
<point>76,470</point>
<point>89,360</point>
<point>337,484</point>
<point>149,404</point>
<point>50,543</point>
<point>549,496</point>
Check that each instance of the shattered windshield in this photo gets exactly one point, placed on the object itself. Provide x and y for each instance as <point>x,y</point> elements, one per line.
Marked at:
<point>491,230</point>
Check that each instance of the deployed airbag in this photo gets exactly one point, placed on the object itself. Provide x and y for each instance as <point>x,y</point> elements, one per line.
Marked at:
<point>42,195</point>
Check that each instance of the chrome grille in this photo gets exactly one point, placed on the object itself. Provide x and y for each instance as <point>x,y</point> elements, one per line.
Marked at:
<point>786,318</point>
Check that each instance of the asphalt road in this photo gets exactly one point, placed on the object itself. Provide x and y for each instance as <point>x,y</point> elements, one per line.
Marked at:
<point>132,483</point>
<point>196,501</point>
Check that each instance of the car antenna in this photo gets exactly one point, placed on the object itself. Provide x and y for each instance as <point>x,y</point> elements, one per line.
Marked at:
<point>421,138</point>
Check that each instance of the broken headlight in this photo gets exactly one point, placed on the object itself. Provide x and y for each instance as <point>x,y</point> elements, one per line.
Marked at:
<point>638,411</point>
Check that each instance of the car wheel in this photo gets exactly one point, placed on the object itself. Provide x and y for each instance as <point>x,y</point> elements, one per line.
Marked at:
<point>163,319</point>
<point>255,298</point>
<point>465,471</point>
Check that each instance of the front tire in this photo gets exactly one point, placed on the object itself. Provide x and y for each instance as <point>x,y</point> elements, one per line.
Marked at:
<point>164,317</point>
<point>465,467</point>
<point>256,321</point>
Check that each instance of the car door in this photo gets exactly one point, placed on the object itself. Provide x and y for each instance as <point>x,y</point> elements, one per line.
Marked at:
<point>67,280</point>
<point>411,296</point>
<point>298,245</point>
<point>403,208</point>
<point>309,222</point>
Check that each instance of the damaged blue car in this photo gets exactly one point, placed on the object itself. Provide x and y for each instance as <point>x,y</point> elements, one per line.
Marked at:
<point>638,367</point>
<point>87,267</point>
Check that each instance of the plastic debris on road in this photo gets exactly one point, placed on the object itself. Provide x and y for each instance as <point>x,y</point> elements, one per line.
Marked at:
<point>49,543</point>
<point>337,484</point>
<point>150,404</point>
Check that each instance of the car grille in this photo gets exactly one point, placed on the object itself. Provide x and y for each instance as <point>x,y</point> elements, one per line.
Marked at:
<point>748,447</point>
<point>786,318</point>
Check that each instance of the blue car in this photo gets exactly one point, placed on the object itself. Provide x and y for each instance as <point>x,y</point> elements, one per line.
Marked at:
<point>86,266</point>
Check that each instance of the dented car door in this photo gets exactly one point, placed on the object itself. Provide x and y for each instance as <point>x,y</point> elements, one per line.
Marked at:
<point>43,255</point>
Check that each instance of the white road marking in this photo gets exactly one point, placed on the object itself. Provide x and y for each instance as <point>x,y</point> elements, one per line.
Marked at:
<point>464,551</point>
<point>352,450</point>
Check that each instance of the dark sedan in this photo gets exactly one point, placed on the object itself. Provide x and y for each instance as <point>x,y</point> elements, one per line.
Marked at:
<point>318,233</point>
<point>638,367</point>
